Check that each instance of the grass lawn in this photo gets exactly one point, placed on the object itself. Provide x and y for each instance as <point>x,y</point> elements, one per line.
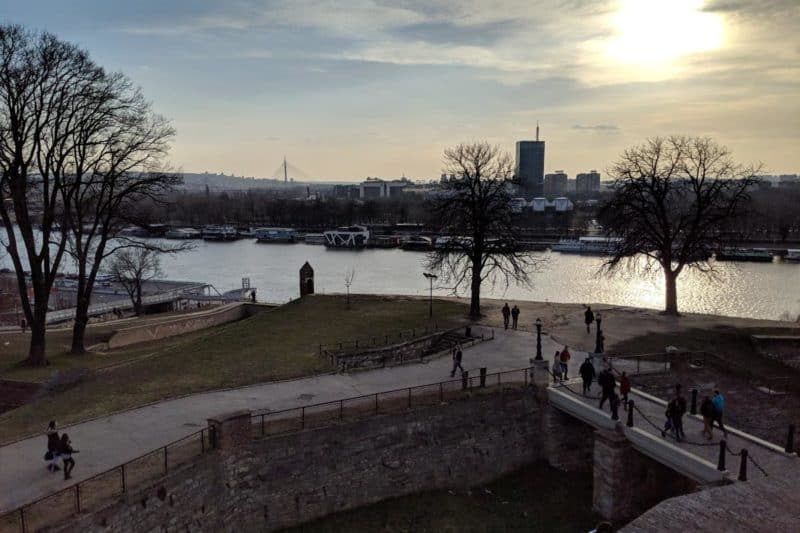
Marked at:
<point>278,344</point>
<point>537,498</point>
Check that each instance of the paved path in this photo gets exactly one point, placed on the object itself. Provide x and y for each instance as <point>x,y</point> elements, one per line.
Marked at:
<point>768,502</point>
<point>109,441</point>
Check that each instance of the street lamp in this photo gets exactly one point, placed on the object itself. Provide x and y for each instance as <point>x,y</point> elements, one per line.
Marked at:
<point>430,277</point>
<point>538,339</point>
<point>598,345</point>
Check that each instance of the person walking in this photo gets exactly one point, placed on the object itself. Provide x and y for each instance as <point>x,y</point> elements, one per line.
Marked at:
<point>457,355</point>
<point>624,389</point>
<point>557,367</point>
<point>514,317</point>
<point>565,357</point>
<point>678,412</point>
<point>607,384</point>
<point>718,401</point>
<point>587,373</point>
<point>52,447</point>
<point>506,313</point>
<point>707,412</point>
<point>66,450</point>
<point>588,317</point>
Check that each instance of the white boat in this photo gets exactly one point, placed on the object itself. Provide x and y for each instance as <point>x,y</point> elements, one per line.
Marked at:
<point>792,256</point>
<point>587,245</point>
<point>219,233</point>
<point>275,235</point>
<point>347,237</point>
<point>183,233</point>
<point>245,232</point>
<point>314,238</point>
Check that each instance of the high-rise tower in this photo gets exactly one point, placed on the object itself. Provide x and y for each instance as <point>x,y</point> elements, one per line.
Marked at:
<point>530,166</point>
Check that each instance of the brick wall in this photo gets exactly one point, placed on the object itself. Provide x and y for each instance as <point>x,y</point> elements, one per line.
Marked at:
<point>271,483</point>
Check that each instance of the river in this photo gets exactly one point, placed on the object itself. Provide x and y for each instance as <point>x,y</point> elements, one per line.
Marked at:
<point>757,290</point>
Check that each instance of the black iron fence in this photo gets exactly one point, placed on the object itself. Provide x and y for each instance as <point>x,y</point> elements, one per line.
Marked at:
<point>378,340</point>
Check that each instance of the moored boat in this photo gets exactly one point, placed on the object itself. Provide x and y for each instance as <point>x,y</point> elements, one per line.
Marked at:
<point>347,237</point>
<point>183,233</point>
<point>753,255</point>
<point>792,256</point>
<point>275,235</point>
<point>587,245</point>
<point>314,238</point>
<point>219,233</point>
<point>417,244</point>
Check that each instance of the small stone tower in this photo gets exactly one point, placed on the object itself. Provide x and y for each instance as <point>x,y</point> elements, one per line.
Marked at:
<point>306,280</point>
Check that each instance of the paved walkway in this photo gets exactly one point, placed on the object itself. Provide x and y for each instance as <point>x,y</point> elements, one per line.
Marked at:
<point>109,441</point>
<point>768,502</point>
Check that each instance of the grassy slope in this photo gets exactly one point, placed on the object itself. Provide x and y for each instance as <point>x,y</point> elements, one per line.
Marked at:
<point>274,345</point>
<point>534,499</point>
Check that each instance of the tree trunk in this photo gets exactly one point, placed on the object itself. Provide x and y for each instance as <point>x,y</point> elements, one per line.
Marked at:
<point>671,292</point>
<point>81,318</point>
<point>475,300</point>
<point>36,349</point>
<point>137,303</point>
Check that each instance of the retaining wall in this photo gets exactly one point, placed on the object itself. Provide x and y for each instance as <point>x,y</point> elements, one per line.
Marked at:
<point>179,326</point>
<point>271,483</point>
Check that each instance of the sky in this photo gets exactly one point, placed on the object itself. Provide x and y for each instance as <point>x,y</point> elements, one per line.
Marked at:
<point>353,88</point>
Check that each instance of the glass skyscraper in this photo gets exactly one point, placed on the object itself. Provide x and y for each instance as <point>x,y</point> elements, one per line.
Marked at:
<point>530,167</point>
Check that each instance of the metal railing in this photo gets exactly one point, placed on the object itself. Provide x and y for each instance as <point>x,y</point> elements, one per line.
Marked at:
<point>378,340</point>
<point>329,413</point>
<point>94,491</point>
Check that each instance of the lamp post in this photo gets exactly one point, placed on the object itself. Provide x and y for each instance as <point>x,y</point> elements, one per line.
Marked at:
<point>598,346</point>
<point>538,339</point>
<point>430,277</point>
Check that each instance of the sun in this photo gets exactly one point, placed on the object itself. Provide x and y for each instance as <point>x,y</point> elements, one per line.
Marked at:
<point>656,33</point>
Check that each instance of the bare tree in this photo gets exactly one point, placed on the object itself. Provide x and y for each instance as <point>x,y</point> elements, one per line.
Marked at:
<point>44,86</point>
<point>675,203</point>
<point>349,276</point>
<point>474,214</point>
<point>132,268</point>
<point>118,155</point>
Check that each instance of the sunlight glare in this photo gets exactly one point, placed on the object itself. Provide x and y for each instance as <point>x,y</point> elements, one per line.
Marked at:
<point>654,33</point>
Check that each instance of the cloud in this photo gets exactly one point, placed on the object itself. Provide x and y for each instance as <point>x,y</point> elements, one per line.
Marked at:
<point>597,128</point>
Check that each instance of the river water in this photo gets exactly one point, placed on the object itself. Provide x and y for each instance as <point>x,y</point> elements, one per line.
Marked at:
<point>757,290</point>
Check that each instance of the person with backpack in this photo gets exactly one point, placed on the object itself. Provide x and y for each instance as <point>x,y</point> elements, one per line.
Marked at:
<point>506,313</point>
<point>565,357</point>
<point>66,450</point>
<point>607,384</point>
<point>588,318</point>
<point>514,317</point>
<point>587,373</point>
<point>707,412</point>
<point>718,401</point>
<point>52,447</point>
<point>457,355</point>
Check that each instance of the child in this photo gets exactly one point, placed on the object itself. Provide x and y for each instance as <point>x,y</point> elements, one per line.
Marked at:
<point>66,451</point>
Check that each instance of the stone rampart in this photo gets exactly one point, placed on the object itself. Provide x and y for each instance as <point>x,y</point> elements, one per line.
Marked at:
<point>265,484</point>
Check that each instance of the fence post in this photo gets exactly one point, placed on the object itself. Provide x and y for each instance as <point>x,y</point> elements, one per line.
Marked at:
<point>693,409</point>
<point>166,460</point>
<point>614,407</point>
<point>320,350</point>
<point>743,466</point>
<point>302,418</point>
<point>630,413</point>
<point>790,440</point>
<point>78,498</point>
<point>341,409</point>
<point>356,343</point>
<point>387,340</point>
<point>721,462</point>
<point>22,519</point>
<point>376,403</point>
<point>124,481</point>
<point>465,380</point>
<point>638,365</point>
<point>483,377</point>
<point>441,392</point>
<point>409,397</point>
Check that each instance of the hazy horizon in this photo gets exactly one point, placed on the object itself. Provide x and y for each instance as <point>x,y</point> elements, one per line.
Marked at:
<point>376,88</point>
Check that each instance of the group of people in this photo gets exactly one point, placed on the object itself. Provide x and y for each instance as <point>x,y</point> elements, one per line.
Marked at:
<point>59,448</point>
<point>711,409</point>
<point>510,313</point>
<point>561,364</point>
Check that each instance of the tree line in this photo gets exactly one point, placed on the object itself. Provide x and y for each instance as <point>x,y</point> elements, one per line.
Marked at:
<point>80,149</point>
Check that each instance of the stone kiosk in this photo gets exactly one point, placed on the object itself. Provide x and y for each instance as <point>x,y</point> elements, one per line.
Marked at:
<point>306,280</point>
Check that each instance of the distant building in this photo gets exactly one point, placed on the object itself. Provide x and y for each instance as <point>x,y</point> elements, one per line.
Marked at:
<point>588,182</point>
<point>559,205</point>
<point>571,186</point>
<point>372,188</point>
<point>529,168</point>
<point>555,184</point>
<point>346,192</point>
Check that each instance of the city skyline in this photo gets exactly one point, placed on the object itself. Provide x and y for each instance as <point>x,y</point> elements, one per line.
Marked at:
<point>372,88</point>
